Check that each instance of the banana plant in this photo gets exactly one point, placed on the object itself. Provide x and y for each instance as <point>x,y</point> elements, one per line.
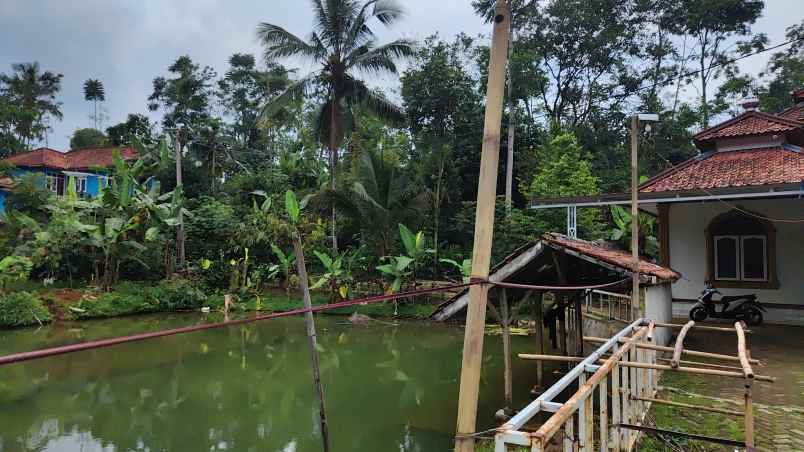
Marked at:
<point>398,270</point>
<point>335,275</point>
<point>286,262</point>
<point>415,247</point>
<point>621,233</point>
<point>465,267</point>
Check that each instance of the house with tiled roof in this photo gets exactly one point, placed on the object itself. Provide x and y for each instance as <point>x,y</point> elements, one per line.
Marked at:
<point>87,166</point>
<point>733,215</point>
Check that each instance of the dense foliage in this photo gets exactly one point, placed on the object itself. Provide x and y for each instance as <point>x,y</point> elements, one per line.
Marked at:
<point>390,187</point>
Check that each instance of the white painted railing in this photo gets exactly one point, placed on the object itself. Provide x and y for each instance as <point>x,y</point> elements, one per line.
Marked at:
<point>609,389</point>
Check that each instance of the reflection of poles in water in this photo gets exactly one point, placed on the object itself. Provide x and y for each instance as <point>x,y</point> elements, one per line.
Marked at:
<point>311,336</point>
<point>227,304</point>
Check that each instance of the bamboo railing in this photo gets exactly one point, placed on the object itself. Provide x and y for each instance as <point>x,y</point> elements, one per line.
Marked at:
<point>616,385</point>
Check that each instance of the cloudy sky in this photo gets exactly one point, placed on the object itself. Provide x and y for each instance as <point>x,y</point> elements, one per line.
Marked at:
<point>126,43</point>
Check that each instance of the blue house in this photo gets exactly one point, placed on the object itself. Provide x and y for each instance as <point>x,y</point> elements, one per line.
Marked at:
<point>86,166</point>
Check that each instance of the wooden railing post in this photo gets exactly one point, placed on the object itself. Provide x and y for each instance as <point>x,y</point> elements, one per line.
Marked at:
<point>615,404</point>
<point>604,414</point>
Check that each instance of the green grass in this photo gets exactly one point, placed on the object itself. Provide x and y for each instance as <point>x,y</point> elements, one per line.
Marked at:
<point>179,295</point>
<point>689,420</point>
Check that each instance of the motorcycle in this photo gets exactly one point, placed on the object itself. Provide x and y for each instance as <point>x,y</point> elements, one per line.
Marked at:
<point>737,307</point>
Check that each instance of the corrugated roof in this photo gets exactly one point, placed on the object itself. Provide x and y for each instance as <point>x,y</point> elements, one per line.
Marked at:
<point>749,167</point>
<point>72,160</point>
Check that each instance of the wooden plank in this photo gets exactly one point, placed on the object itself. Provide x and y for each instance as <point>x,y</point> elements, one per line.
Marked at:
<point>484,231</point>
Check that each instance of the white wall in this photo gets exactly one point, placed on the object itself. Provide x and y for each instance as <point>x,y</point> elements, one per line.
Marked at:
<point>658,307</point>
<point>688,223</point>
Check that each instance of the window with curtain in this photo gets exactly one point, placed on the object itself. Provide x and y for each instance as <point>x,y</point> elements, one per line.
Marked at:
<point>740,250</point>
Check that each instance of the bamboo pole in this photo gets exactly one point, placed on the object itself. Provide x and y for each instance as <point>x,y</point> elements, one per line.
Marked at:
<point>689,405</point>
<point>701,327</point>
<point>539,324</point>
<point>748,372</point>
<point>615,404</point>
<point>660,348</point>
<point>484,230</point>
<point>506,340</point>
<point>311,337</point>
<point>680,343</point>
<point>639,365</point>
<point>603,414</point>
<point>742,351</point>
<point>701,363</point>
<point>634,213</point>
<point>583,416</point>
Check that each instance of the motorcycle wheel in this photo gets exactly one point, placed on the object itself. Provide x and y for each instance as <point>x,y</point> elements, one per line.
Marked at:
<point>698,314</point>
<point>753,316</point>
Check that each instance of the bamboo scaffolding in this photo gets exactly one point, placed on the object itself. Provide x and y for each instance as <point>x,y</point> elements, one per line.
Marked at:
<point>689,405</point>
<point>660,348</point>
<point>641,365</point>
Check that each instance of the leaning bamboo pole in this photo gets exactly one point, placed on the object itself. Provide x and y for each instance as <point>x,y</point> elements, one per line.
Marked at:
<point>311,338</point>
<point>680,343</point>
<point>748,372</point>
<point>484,230</point>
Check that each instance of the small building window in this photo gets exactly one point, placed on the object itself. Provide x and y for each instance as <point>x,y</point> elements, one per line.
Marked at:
<point>741,252</point>
<point>52,183</point>
<point>81,185</point>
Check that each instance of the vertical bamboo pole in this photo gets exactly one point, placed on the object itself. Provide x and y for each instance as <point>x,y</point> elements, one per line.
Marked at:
<point>626,402</point>
<point>569,435</point>
<point>634,212</point>
<point>604,414</point>
<point>589,439</point>
<point>484,230</point>
<point>506,339</point>
<point>583,420</point>
<point>615,403</point>
<point>539,324</point>
<point>311,337</point>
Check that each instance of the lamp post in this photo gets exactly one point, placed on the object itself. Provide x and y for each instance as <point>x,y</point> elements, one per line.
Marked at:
<point>635,119</point>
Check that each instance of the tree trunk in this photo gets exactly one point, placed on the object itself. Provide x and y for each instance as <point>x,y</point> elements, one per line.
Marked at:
<point>311,337</point>
<point>180,232</point>
<point>333,163</point>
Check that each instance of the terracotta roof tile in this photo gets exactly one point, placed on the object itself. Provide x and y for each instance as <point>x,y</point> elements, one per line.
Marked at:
<point>764,166</point>
<point>796,113</point>
<point>619,258</point>
<point>77,159</point>
<point>749,123</point>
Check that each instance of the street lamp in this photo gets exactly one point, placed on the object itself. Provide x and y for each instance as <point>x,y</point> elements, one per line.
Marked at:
<point>635,119</point>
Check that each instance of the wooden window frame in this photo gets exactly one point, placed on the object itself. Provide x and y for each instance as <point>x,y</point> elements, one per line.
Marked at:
<point>771,282</point>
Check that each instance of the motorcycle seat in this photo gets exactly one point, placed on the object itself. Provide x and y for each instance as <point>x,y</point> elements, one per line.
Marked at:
<point>729,298</point>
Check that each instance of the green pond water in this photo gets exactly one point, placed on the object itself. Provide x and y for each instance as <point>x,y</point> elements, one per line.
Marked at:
<point>244,388</point>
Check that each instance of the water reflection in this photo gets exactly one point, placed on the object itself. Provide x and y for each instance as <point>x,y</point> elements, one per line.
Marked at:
<point>244,388</point>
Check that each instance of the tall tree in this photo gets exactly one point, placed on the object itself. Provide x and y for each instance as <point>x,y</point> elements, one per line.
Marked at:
<point>344,45</point>
<point>94,92</point>
<point>785,71</point>
<point>33,95</point>
<point>243,90</point>
<point>184,98</point>
<point>712,24</point>
<point>136,127</point>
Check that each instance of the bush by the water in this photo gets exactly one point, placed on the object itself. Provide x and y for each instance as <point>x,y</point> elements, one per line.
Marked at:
<point>21,309</point>
<point>138,298</point>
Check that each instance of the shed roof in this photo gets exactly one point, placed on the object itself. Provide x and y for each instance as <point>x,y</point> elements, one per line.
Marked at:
<point>589,255</point>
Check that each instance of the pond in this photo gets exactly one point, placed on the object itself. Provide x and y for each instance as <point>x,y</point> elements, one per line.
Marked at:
<point>245,388</point>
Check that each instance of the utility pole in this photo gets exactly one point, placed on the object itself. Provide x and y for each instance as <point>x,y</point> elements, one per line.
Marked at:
<point>635,302</point>
<point>484,230</point>
<point>509,164</point>
<point>180,255</point>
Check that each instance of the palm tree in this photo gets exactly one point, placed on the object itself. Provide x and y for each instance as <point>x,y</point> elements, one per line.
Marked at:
<point>94,92</point>
<point>342,44</point>
<point>34,92</point>
<point>381,199</point>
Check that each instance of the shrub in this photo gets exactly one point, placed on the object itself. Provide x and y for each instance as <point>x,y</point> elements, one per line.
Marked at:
<point>22,308</point>
<point>177,295</point>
